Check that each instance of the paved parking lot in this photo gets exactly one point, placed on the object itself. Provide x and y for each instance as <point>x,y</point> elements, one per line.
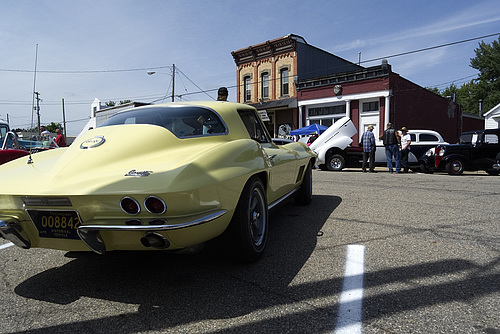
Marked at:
<point>430,265</point>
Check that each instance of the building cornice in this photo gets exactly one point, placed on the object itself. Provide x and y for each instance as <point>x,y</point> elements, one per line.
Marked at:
<point>271,48</point>
<point>380,71</point>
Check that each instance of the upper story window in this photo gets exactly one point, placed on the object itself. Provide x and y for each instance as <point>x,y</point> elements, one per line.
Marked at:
<point>284,81</point>
<point>265,85</point>
<point>248,88</point>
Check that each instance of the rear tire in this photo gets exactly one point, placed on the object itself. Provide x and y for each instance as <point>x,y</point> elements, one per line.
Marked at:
<point>335,163</point>
<point>249,225</point>
<point>304,195</point>
<point>455,167</point>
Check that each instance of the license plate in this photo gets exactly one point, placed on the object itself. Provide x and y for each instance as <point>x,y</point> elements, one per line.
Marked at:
<point>56,224</point>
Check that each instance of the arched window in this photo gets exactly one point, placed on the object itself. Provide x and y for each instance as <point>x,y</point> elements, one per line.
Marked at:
<point>284,81</point>
<point>248,88</point>
<point>265,85</point>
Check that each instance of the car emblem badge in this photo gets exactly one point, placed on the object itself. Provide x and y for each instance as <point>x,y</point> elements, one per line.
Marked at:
<point>92,142</point>
<point>135,173</point>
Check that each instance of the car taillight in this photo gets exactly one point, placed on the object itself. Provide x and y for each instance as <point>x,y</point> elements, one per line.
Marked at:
<point>155,205</point>
<point>130,206</point>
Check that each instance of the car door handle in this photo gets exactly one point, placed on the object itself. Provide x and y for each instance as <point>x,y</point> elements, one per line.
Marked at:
<point>272,156</point>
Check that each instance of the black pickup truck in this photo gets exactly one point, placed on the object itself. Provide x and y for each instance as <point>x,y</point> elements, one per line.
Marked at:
<point>477,150</point>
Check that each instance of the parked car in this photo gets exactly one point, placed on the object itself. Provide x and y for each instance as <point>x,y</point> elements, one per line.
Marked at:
<point>9,147</point>
<point>282,141</point>
<point>166,177</point>
<point>476,150</point>
<point>336,153</point>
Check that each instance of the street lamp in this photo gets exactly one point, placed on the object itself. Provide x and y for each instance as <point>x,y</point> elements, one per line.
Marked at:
<point>173,79</point>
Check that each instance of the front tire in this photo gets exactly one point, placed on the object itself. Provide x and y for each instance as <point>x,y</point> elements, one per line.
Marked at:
<point>249,225</point>
<point>424,169</point>
<point>335,163</point>
<point>492,172</point>
<point>455,167</point>
<point>304,195</point>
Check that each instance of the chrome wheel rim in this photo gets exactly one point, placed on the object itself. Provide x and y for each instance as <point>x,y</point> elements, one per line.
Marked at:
<point>257,216</point>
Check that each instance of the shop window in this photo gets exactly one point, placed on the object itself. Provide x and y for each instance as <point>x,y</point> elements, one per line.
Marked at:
<point>370,106</point>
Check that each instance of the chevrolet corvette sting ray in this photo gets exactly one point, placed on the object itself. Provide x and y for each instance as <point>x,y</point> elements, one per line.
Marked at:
<point>167,177</point>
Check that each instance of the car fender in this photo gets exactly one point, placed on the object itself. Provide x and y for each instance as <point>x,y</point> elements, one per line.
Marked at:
<point>340,143</point>
<point>445,159</point>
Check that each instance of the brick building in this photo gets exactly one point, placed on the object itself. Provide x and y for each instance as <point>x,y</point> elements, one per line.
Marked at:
<point>296,84</point>
<point>268,72</point>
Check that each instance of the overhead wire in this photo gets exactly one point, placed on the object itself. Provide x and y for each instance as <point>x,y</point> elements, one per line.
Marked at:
<point>157,98</point>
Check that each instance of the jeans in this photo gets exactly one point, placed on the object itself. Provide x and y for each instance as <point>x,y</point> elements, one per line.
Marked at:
<point>404,159</point>
<point>367,155</point>
<point>393,151</point>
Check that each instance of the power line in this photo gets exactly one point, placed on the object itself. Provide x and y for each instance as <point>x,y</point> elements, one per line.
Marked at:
<point>430,48</point>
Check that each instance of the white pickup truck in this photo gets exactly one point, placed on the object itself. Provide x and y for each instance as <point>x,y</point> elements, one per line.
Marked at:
<point>335,151</point>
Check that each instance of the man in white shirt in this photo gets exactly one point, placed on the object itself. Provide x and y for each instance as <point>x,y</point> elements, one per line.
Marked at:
<point>405,148</point>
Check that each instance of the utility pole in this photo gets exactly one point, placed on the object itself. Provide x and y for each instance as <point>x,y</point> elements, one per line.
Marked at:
<point>64,119</point>
<point>38,110</point>
<point>173,81</point>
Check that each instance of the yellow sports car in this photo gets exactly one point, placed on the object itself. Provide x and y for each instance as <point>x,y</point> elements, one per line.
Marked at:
<point>168,177</point>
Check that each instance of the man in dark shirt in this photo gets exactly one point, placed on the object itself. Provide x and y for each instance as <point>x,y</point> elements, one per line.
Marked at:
<point>390,137</point>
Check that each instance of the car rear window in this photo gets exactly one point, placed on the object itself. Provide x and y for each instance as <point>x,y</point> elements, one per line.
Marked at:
<point>427,137</point>
<point>182,121</point>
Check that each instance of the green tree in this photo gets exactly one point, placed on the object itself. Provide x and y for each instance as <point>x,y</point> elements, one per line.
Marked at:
<point>53,126</point>
<point>485,90</point>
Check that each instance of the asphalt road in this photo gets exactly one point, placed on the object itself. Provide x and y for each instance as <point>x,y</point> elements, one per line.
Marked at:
<point>431,265</point>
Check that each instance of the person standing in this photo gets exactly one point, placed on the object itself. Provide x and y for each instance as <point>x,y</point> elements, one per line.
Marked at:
<point>60,141</point>
<point>222,94</point>
<point>368,143</point>
<point>405,148</point>
<point>390,138</point>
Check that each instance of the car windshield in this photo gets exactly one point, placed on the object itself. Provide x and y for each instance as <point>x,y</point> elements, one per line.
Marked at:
<point>182,121</point>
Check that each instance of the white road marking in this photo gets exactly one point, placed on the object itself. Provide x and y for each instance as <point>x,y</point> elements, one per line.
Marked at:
<point>349,317</point>
<point>6,245</point>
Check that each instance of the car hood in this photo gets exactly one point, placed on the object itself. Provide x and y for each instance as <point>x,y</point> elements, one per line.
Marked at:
<point>98,162</point>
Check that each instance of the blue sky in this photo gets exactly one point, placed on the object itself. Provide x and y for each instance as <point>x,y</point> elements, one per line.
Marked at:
<point>82,43</point>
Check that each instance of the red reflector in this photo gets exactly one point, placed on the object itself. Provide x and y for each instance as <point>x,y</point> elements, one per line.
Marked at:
<point>155,205</point>
<point>133,222</point>
<point>158,222</point>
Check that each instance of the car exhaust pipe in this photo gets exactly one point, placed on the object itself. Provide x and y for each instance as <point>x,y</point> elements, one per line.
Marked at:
<point>155,240</point>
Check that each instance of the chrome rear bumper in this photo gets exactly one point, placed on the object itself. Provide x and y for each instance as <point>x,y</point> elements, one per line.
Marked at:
<point>11,231</point>
<point>89,234</point>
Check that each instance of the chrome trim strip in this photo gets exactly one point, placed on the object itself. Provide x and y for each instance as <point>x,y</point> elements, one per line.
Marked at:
<point>199,221</point>
<point>281,199</point>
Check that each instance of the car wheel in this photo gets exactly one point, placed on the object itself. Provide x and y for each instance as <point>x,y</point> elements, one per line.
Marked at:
<point>304,195</point>
<point>455,167</point>
<point>492,172</point>
<point>249,225</point>
<point>424,169</point>
<point>336,162</point>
